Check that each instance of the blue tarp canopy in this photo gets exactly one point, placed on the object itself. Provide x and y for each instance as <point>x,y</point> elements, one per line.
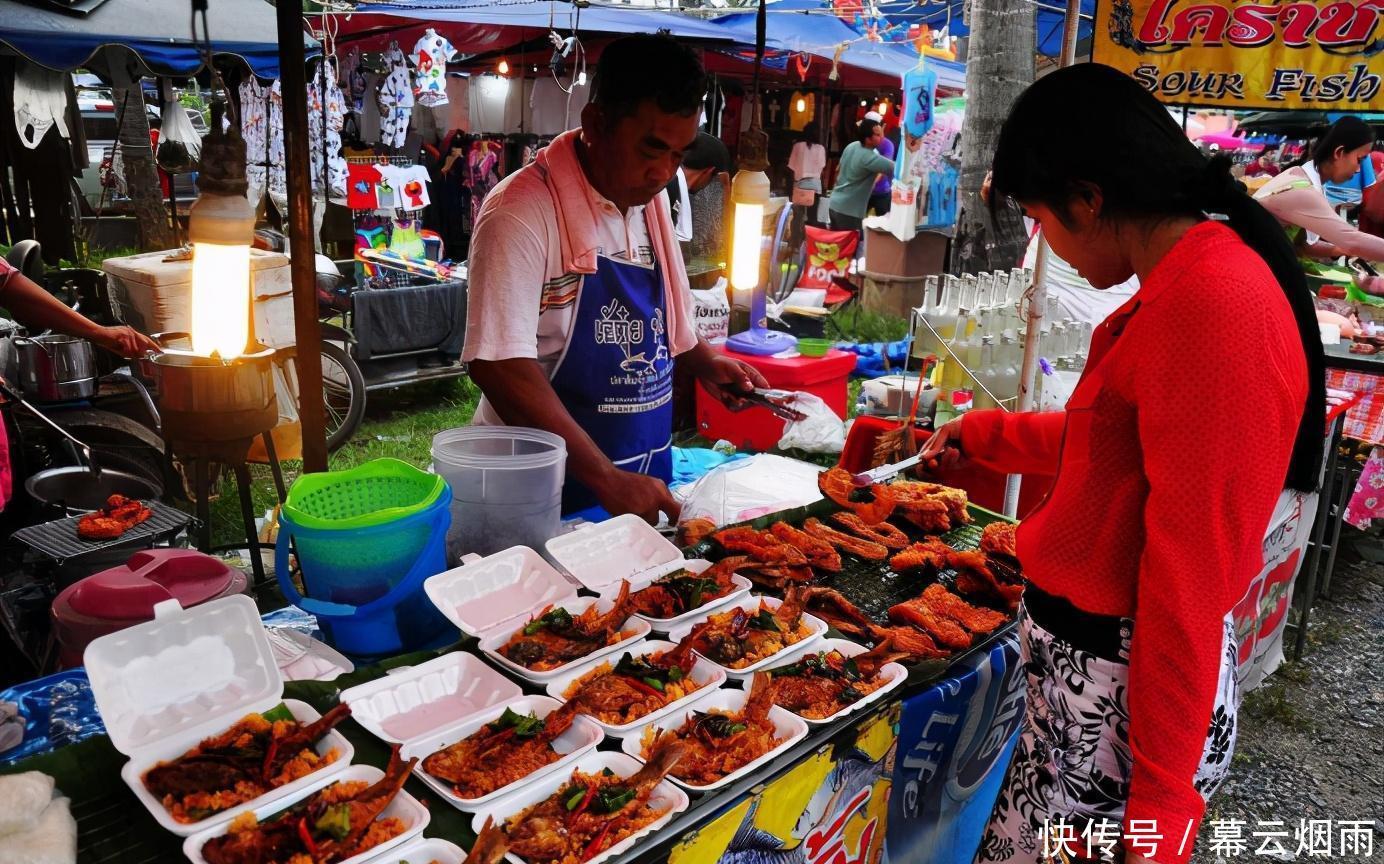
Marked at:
<point>543,13</point>
<point>810,27</point>
<point>947,13</point>
<point>158,32</point>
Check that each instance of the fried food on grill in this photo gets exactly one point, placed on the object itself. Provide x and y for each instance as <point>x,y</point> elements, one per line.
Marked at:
<point>556,636</point>
<point>718,743</point>
<point>779,578</point>
<point>833,607</point>
<point>338,822</point>
<point>931,554</point>
<point>824,683</point>
<point>820,553</point>
<point>872,503</point>
<point>762,546</point>
<point>694,531</point>
<point>503,751</point>
<point>934,508</point>
<point>866,549</point>
<point>118,516</point>
<point>589,813</point>
<point>973,618</point>
<point>739,638</point>
<point>882,533</point>
<point>682,591</point>
<point>998,539</point>
<point>635,686</point>
<point>943,630</point>
<point>258,753</point>
<point>974,576</point>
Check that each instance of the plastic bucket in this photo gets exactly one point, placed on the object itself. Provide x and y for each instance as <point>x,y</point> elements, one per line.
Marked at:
<point>364,582</point>
<point>506,486</point>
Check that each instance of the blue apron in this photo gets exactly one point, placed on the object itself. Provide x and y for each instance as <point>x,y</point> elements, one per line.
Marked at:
<point>616,376</point>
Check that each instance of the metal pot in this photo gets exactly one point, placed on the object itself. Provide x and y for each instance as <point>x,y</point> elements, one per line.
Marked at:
<point>56,368</point>
<point>208,399</point>
<point>76,490</point>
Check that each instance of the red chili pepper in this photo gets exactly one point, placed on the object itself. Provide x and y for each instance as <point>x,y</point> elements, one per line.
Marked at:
<point>594,847</point>
<point>586,799</point>
<point>306,836</point>
<point>643,688</point>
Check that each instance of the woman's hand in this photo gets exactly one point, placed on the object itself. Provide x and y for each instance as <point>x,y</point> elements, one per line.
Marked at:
<point>125,341</point>
<point>943,450</point>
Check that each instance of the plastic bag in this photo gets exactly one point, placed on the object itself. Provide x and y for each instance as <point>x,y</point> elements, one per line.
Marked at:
<point>711,316</point>
<point>821,432</point>
<point>747,488</point>
<point>179,145</point>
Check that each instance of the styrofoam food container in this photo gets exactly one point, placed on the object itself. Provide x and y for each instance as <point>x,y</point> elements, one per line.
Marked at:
<point>787,725</point>
<point>750,604</point>
<point>576,742</point>
<point>704,672</point>
<point>425,850</point>
<point>165,685</point>
<point>404,807</point>
<point>417,701</point>
<point>892,673</point>
<point>666,796</point>
<point>491,597</point>
<point>693,565</point>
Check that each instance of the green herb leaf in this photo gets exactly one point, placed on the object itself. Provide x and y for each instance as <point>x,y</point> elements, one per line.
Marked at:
<point>851,670</point>
<point>606,772</point>
<point>718,725</point>
<point>277,713</point>
<point>675,673</point>
<point>554,619</point>
<point>612,799</point>
<point>524,725</point>
<point>574,798</point>
<point>335,822</point>
<point>765,621</point>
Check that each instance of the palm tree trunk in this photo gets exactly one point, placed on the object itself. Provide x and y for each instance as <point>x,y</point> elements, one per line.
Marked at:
<point>999,65</point>
<point>141,172</point>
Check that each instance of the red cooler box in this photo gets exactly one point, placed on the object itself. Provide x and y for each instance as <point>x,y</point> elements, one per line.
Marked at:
<point>756,428</point>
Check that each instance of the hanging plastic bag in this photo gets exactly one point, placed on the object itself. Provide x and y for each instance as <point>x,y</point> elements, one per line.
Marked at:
<point>820,432</point>
<point>712,311</point>
<point>180,148</point>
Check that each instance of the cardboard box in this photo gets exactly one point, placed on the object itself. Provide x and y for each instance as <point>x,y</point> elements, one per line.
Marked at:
<point>924,255</point>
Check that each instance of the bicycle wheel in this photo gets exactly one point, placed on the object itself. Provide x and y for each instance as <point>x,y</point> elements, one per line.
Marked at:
<point>343,394</point>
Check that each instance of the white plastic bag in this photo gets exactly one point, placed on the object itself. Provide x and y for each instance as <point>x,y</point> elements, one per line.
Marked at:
<point>711,311</point>
<point>179,145</point>
<point>821,432</point>
<point>748,488</point>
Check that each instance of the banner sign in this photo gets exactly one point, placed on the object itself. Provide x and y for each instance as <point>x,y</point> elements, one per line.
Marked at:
<point>954,745</point>
<point>828,809</point>
<point>1324,55</point>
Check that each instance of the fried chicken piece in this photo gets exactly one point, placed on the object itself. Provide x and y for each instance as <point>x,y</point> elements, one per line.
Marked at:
<point>882,533</point>
<point>873,503</point>
<point>779,578</point>
<point>918,644</point>
<point>118,516</point>
<point>998,539</point>
<point>833,607</point>
<point>917,613</point>
<point>694,531</point>
<point>945,603</point>
<point>820,553</point>
<point>760,545</point>
<point>934,508</point>
<point>845,542</point>
<point>931,554</point>
<point>975,577</point>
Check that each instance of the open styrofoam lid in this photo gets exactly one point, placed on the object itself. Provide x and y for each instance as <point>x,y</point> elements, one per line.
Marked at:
<point>601,555</point>
<point>188,669</point>
<point>482,595</point>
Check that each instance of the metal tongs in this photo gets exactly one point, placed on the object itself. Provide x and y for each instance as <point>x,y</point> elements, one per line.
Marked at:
<point>779,403</point>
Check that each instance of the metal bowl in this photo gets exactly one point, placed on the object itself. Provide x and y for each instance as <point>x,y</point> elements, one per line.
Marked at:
<point>207,399</point>
<point>76,490</point>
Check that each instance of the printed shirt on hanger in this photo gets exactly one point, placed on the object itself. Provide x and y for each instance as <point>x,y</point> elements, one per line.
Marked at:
<point>430,62</point>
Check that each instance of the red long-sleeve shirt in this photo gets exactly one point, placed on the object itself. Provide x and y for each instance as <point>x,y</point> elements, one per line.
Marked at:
<point>1169,460</point>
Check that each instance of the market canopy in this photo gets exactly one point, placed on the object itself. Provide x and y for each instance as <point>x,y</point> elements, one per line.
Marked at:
<point>157,32</point>
<point>544,14</point>
<point>812,27</point>
<point>1051,17</point>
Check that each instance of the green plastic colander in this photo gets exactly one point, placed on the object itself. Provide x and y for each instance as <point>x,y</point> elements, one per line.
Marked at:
<point>376,493</point>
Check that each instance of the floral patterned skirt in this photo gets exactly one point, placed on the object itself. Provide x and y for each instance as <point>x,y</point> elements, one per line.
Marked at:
<point>1072,763</point>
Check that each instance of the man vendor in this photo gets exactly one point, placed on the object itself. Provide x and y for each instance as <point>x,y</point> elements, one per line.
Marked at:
<point>578,299</point>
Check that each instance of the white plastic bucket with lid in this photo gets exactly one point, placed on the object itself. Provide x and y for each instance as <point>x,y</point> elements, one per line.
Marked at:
<point>506,486</point>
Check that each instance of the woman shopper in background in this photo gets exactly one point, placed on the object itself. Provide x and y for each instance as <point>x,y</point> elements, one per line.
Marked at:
<point>1169,459</point>
<point>807,160</point>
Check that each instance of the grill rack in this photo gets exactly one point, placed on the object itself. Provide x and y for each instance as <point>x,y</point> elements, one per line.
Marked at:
<point>58,539</point>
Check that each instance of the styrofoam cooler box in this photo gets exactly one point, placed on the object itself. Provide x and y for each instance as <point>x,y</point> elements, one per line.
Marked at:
<point>666,798</point>
<point>599,556</point>
<point>155,296</point>
<point>789,728</point>
<point>403,806</point>
<point>491,597</point>
<point>164,685</point>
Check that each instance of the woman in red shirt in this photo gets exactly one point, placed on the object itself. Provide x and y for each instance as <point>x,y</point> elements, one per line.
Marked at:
<point>1169,459</point>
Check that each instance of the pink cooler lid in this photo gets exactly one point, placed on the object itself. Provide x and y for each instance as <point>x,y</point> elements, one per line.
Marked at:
<point>130,591</point>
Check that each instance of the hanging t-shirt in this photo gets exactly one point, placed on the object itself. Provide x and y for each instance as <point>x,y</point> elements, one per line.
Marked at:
<point>488,96</point>
<point>412,185</point>
<point>554,109</point>
<point>387,189</point>
<point>361,181</point>
<point>458,104</point>
<point>396,100</point>
<point>429,57</point>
